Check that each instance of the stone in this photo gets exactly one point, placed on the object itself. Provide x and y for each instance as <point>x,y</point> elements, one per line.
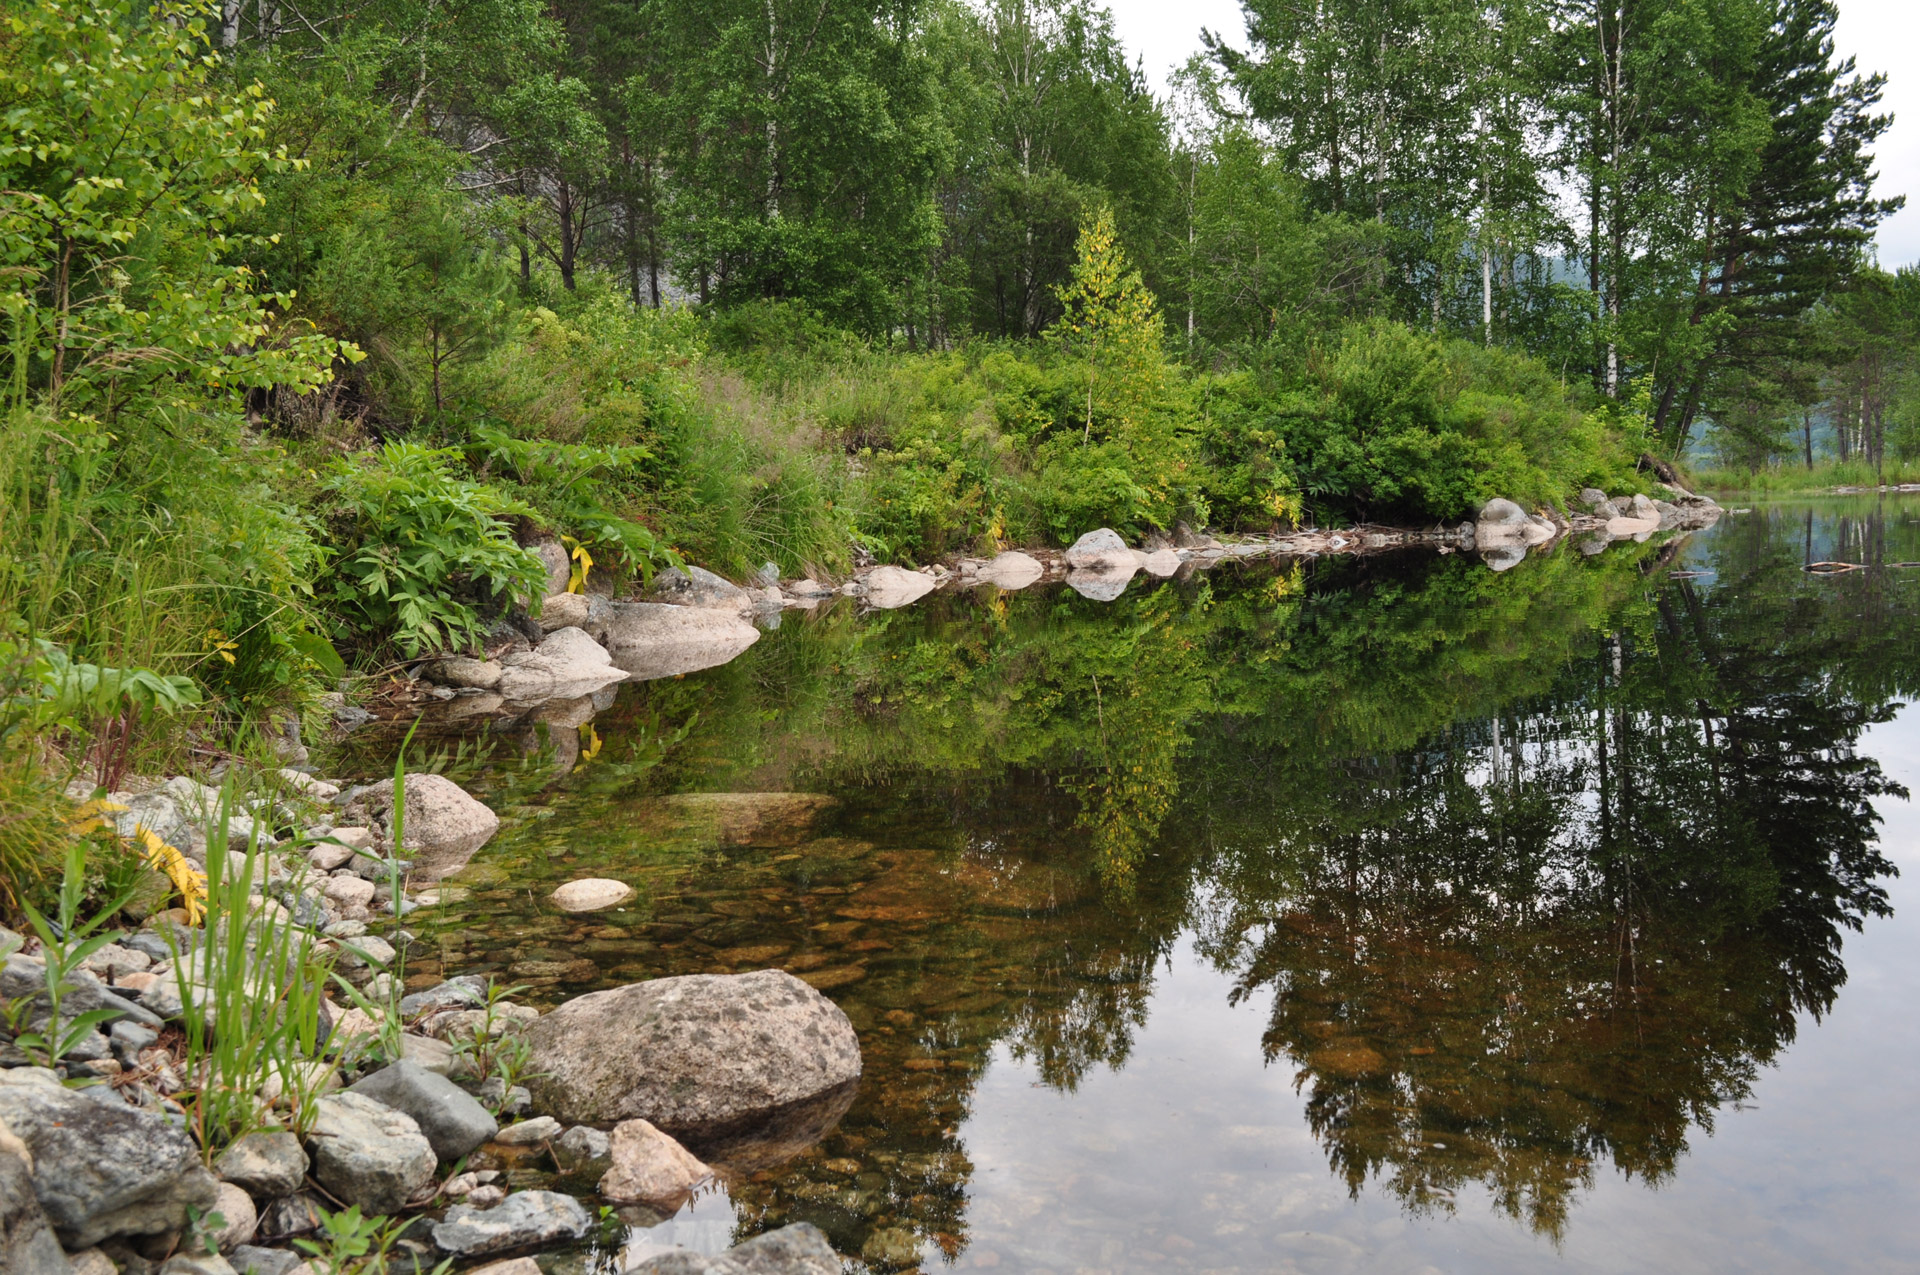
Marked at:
<point>24,978</point>
<point>568,664</point>
<point>91,1261</point>
<point>436,1056</point>
<point>650,1168</point>
<point>27,1242</point>
<point>698,587</point>
<point>196,1264</point>
<point>112,960</point>
<point>1596,500</point>
<point>101,1169</point>
<point>1632,528</point>
<point>454,1124</point>
<point>248,1260</point>
<point>129,1038</point>
<point>367,949</point>
<point>288,1217</point>
<point>529,1132</point>
<point>700,1056</point>
<point>889,587</point>
<point>238,1219</point>
<point>800,1248</point>
<point>1161,563</point>
<point>584,1150</point>
<point>268,1163</point>
<point>557,562</point>
<point>651,640</point>
<point>1642,508</point>
<point>737,818</point>
<point>444,826</point>
<point>366,1153</point>
<point>591,894</point>
<point>809,588</point>
<point>524,1219</point>
<point>1503,557</point>
<point>464,992</point>
<point>1011,570</point>
<point>459,670</point>
<point>1502,522</point>
<point>564,611</point>
<point>512,1266</point>
<point>1101,550</point>
<point>348,891</point>
<point>308,786</point>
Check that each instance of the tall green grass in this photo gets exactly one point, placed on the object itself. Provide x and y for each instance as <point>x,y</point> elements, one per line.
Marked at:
<point>1787,478</point>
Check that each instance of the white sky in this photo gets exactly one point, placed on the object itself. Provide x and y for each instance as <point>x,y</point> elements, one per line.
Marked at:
<point>1883,34</point>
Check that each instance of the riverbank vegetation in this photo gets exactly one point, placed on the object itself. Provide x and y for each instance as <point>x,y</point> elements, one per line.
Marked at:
<point>319,320</point>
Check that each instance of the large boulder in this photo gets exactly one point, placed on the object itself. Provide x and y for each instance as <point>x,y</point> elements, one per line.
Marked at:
<point>452,1121</point>
<point>1101,550</point>
<point>701,1056</point>
<point>1011,570</point>
<point>889,588</point>
<point>567,664</point>
<point>651,640</point>
<point>102,1170</point>
<point>444,826</point>
<point>565,611</point>
<point>27,1243</point>
<point>522,1220</point>
<point>1501,522</point>
<point>650,1168</point>
<point>366,1153</point>
<point>797,1249</point>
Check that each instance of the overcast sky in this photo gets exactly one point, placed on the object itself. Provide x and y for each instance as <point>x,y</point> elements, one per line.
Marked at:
<point>1883,34</point>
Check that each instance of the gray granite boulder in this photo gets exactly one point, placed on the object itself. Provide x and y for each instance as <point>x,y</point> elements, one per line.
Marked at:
<point>453,1122</point>
<point>1101,550</point>
<point>101,1169</point>
<point>700,1056</point>
<point>367,1153</point>
<point>651,640</point>
<point>889,588</point>
<point>1011,570</point>
<point>523,1220</point>
<point>568,664</point>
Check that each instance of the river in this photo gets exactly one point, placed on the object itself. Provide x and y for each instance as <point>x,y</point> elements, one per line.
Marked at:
<point>1382,914</point>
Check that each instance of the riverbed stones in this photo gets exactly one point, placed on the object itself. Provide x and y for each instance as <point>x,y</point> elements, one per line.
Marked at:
<point>100,1169</point>
<point>698,587</point>
<point>591,894</point>
<point>529,1133</point>
<point>700,1056</point>
<point>648,1167</point>
<point>568,664</point>
<point>366,1153</point>
<point>1011,570</point>
<point>1502,522</point>
<point>453,1123</point>
<point>444,826</point>
<point>269,1163</point>
<point>800,1248</point>
<point>250,1260</point>
<point>238,1219</point>
<point>27,1243</point>
<point>652,640</point>
<point>890,587</point>
<point>525,1219</point>
<point>461,670</point>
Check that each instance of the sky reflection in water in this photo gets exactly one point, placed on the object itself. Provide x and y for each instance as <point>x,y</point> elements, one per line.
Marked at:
<point>1383,919</point>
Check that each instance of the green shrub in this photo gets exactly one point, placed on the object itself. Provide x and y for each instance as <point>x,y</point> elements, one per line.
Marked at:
<point>425,550</point>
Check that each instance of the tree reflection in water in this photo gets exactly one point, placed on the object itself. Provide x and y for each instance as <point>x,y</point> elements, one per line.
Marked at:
<point>1537,870</point>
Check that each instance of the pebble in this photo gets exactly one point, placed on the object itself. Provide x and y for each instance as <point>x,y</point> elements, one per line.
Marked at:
<point>528,1132</point>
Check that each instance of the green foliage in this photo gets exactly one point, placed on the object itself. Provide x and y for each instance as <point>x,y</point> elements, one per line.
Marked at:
<point>424,550</point>
<point>66,941</point>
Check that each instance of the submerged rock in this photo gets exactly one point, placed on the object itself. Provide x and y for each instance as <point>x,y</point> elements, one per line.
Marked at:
<point>591,894</point>
<point>652,640</point>
<point>700,1056</point>
<point>737,818</point>
<point>103,1170</point>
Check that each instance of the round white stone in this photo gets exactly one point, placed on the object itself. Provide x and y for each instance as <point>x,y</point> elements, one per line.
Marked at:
<point>591,894</point>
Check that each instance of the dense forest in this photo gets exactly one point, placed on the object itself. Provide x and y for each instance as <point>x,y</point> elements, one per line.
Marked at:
<point>319,315</point>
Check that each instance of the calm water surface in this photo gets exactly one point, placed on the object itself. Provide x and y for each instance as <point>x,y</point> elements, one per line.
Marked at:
<point>1371,916</point>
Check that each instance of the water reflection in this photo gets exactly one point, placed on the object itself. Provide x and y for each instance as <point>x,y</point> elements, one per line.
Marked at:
<point>1531,873</point>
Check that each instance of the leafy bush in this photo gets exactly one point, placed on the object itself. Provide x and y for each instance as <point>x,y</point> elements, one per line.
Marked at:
<point>425,550</point>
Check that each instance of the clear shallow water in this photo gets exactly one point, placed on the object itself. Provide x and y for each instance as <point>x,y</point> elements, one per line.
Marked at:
<point>1378,916</point>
